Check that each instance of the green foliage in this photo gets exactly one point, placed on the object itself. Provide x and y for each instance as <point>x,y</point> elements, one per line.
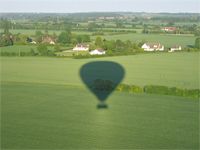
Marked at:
<point>82,38</point>
<point>65,37</point>
<point>109,45</point>
<point>197,43</point>
<point>156,89</point>
<point>42,49</point>
<point>135,89</point>
<point>5,24</point>
<point>6,40</point>
<point>57,48</point>
<point>38,36</point>
<point>99,42</point>
<point>164,90</point>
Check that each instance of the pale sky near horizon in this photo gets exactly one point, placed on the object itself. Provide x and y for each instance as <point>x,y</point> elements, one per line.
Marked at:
<point>67,6</point>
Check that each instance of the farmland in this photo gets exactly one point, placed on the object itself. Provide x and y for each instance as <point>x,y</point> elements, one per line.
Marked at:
<point>167,40</point>
<point>48,88</point>
<point>46,116</point>
<point>41,107</point>
<point>178,69</point>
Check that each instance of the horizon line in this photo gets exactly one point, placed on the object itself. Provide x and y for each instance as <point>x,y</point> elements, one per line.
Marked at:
<point>101,12</point>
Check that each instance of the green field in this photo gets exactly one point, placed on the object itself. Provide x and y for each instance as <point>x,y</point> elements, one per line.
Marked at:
<point>167,40</point>
<point>32,32</point>
<point>44,105</point>
<point>170,69</point>
<point>18,48</point>
<point>27,48</point>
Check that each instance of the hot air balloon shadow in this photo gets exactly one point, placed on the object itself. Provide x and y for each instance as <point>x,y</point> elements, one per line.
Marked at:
<point>102,78</point>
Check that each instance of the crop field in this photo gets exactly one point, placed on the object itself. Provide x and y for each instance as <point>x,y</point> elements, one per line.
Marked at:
<point>169,69</point>
<point>48,116</point>
<point>44,105</point>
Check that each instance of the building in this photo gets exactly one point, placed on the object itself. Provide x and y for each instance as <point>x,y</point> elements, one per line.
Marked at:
<point>152,47</point>
<point>33,42</point>
<point>175,48</point>
<point>97,52</point>
<point>81,47</point>
<point>48,40</point>
<point>169,29</point>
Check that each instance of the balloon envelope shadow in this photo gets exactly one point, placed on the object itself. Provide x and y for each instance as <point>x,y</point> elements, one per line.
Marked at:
<point>102,78</point>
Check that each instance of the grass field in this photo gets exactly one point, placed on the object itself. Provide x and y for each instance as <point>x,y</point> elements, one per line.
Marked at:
<point>170,69</point>
<point>45,116</point>
<point>27,48</point>
<point>167,40</point>
<point>44,105</point>
<point>18,48</point>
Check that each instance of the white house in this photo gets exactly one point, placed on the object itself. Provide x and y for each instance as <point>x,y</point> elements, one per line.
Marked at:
<point>169,29</point>
<point>81,47</point>
<point>175,48</point>
<point>52,42</point>
<point>97,52</point>
<point>33,42</point>
<point>152,47</point>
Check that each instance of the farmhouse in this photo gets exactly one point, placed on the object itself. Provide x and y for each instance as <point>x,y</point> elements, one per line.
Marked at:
<point>81,47</point>
<point>152,47</point>
<point>175,48</point>
<point>33,42</point>
<point>169,29</point>
<point>97,52</point>
<point>48,40</point>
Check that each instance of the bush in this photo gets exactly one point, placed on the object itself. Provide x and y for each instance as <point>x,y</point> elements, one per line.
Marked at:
<point>157,89</point>
<point>129,88</point>
<point>136,89</point>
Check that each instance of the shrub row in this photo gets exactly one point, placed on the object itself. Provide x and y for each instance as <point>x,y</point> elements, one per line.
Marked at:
<point>162,90</point>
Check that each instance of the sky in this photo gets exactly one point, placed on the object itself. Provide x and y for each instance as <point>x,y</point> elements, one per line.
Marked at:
<point>69,6</point>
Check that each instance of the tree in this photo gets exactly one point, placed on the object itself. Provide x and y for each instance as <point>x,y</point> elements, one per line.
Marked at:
<point>64,37</point>
<point>6,40</point>
<point>119,45</point>
<point>82,38</point>
<point>197,43</point>
<point>99,42</point>
<point>109,45</point>
<point>38,36</point>
<point>85,38</point>
<point>6,26</point>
